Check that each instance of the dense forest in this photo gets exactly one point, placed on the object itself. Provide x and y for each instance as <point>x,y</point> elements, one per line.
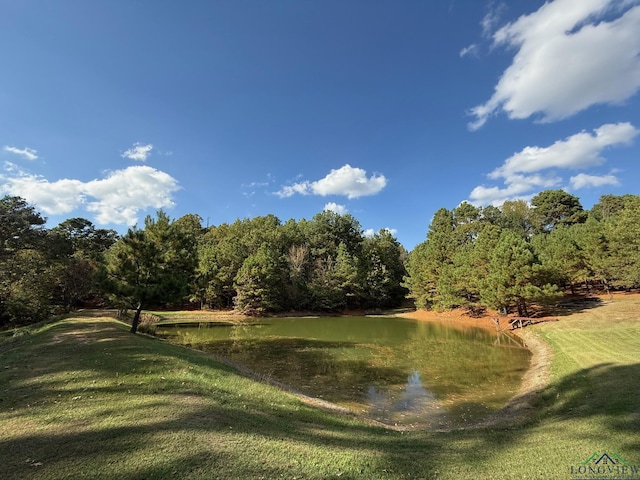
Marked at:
<point>257,265</point>
<point>508,258</point>
<point>520,254</point>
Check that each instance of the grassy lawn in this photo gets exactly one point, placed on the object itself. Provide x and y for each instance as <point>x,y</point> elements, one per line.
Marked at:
<point>83,398</point>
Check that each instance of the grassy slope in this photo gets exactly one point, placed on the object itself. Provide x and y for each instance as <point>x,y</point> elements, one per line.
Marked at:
<point>83,398</point>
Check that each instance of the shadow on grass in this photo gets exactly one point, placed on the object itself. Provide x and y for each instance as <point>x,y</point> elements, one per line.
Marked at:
<point>211,423</point>
<point>607,391</point>
<point>573,305</point>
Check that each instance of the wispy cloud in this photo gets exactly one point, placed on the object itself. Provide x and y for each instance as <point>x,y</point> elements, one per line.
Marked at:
<point>249,189</point>
<point>26,153</point>
<point>492,18</point>
<point>568,58</point>
<point>580,151</point>
<point>471,50</point>
<point>347,180</point>
<point>138,152</point>
<point>115,199</point>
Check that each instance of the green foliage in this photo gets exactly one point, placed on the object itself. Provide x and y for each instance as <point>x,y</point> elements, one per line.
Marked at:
<point>517,217</point>
<point>151,267</point>
<point>427,261</point>
<point>260,282</point>
<point>322,264</point>
<point>21,226</point>
<point>515,277</point>
<point>562,256</point>
<point>610,205</point>
<point>76,249</point>
<point>512,256</point>
<point>27,287</point>
<point>623,233</point>
<point>552,208</point>
<point>326,263</point>
<point>383,259</point>
<point>25,277</point>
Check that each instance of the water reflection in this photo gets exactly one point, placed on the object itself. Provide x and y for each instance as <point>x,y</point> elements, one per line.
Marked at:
<point>414,404</point>
<point>395,370</point>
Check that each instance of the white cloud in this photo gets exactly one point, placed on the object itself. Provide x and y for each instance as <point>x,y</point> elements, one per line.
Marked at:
<point>26,153</point>
<point>138,152</point>
<point>579,151</point>
<point>582,180</point>
<point>303,188</point>
<point>115,199</point>
<point>124,192</point>
<point>370,232</point>
<point>568,58</point>
<point>334,207</point>
<point>58,197</point>
<point>518,187</point>
<point>347,180</point>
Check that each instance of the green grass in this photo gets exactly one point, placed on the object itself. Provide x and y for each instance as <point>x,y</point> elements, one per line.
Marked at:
<point>83,398</point>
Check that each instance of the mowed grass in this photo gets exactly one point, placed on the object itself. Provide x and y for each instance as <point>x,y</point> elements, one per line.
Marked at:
<point>83,398</point>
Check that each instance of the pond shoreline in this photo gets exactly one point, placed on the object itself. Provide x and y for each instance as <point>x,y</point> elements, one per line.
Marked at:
<point>518,409</point>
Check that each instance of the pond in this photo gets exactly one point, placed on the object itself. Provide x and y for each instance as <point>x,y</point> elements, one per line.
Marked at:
<point>394,370</point>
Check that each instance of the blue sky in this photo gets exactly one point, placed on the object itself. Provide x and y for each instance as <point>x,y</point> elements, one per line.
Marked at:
<point>387,110</point>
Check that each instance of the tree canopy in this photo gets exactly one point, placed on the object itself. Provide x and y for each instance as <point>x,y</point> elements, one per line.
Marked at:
<point>508,258</point>
<point>519,254</point>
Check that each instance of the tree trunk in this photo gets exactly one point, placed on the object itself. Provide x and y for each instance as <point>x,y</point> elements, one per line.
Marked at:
<point>136,318</point>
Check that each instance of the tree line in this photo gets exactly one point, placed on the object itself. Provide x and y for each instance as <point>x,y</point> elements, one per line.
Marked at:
<point>520,254</point>
<point>506,258</point>
<point>257,265</point>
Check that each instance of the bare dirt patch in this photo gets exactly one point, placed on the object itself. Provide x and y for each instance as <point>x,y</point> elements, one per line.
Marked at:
<point>454,318</point>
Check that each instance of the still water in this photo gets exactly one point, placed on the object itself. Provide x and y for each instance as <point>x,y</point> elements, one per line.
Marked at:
<point>394,370</point>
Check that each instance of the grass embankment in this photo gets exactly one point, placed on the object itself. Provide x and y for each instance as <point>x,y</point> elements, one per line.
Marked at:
<point>83,398</point>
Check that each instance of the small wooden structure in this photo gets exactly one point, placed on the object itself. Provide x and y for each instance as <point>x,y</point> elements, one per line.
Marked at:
<point>520,322</point>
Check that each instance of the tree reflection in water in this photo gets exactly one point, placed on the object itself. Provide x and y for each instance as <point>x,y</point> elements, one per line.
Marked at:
<point>413,404</point>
